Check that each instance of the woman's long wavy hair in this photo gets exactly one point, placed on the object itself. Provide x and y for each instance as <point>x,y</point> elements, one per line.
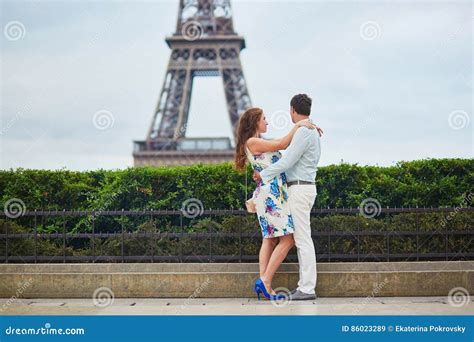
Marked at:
<point>246,128</point>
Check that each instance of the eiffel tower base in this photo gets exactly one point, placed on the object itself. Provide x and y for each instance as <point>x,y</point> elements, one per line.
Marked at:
<point>175,158</point>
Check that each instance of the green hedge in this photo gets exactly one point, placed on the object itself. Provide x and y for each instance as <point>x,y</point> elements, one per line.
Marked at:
<point>171,246</point>
<point>433,182</point>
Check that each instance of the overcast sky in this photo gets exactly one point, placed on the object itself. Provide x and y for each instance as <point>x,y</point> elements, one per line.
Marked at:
<point>390,81</point>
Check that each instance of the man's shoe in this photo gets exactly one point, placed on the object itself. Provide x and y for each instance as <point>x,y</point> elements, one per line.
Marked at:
<point>293,292</point>
<point>298,295</point>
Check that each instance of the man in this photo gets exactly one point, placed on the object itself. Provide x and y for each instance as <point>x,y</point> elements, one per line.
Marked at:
<point>300,163</point>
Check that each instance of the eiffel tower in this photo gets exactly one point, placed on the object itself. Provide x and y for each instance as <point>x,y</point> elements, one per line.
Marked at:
<point>204,44</point>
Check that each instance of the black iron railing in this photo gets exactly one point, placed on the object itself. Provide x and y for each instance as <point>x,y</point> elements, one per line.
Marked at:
<point>13,242</point>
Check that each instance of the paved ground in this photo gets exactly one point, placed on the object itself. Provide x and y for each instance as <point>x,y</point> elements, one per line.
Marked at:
<point>237,306</point>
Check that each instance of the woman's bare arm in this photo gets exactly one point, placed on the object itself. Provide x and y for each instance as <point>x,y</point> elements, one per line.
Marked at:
<point>259,145</point>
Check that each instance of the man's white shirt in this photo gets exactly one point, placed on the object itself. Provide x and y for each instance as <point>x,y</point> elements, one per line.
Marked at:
<point>300,159</point>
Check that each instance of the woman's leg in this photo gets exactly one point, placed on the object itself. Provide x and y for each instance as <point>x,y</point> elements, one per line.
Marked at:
<point>266,250</point>
<point>279,254</point>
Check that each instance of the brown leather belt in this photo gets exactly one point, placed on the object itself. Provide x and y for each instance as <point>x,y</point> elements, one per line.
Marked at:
<point>299,182</point>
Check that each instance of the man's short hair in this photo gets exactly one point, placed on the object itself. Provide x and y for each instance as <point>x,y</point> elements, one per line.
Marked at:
<point>301,103</point>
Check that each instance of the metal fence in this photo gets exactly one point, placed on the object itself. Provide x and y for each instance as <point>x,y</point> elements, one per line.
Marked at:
<point>324,239</point>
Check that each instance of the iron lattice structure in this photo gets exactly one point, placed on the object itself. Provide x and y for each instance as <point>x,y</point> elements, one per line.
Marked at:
<point>204,44</point>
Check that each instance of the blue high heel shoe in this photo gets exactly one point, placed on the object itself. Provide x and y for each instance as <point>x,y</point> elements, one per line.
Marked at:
<point>260,288</point>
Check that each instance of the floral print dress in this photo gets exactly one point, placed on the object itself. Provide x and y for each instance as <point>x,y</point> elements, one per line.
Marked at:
<point>271,198</point>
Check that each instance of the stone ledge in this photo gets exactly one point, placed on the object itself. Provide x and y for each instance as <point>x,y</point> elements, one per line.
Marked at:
<point>143,280</point>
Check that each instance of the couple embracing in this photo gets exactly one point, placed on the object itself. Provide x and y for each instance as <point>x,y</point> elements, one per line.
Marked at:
<point>285,192</point>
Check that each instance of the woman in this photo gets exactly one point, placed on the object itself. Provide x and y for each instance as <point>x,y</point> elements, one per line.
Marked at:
<point>271,198</point>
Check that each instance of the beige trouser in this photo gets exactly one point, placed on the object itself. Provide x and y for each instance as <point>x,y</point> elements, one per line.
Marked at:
<point>301,199</point>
